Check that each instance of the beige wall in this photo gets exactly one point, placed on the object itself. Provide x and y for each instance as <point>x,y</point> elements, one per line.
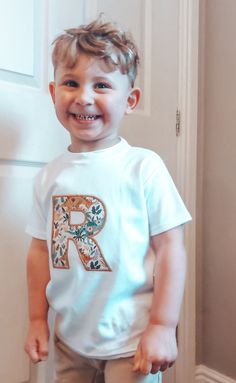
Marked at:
<point>216,247</point>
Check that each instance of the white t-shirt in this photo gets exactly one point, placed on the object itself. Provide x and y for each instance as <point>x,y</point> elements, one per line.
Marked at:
<point>97,211</point>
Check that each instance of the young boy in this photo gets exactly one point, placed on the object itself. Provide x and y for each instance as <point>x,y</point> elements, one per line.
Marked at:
<point>97,211</point>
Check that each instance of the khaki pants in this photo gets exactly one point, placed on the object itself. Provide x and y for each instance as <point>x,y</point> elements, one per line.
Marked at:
<point>71,367</point>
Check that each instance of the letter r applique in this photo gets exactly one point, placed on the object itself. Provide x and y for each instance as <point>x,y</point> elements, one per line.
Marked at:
<point>78,218</point>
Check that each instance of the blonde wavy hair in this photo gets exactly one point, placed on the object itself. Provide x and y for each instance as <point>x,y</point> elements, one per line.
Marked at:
<point>103,40</point>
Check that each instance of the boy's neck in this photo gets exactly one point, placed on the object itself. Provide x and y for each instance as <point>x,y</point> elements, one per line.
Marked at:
<point>82,147</point>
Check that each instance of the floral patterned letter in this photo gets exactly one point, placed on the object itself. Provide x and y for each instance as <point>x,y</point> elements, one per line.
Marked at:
<point>82,234</point>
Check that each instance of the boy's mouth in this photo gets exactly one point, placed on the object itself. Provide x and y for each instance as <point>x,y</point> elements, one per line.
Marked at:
<point>85,117</point>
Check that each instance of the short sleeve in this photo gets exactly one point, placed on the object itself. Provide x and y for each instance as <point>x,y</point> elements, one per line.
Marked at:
<point>37,221</point>
<point>166,208</point>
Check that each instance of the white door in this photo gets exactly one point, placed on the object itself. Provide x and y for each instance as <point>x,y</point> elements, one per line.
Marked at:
<point>30,134</point>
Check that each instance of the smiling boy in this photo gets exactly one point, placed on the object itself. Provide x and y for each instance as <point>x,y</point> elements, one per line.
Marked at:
<point>90,102</point>
<point>97,211</point>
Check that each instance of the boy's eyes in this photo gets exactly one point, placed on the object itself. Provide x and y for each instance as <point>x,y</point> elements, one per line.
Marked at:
<point>71,83</point>
<point>102,85</point>
<point>98,85</point>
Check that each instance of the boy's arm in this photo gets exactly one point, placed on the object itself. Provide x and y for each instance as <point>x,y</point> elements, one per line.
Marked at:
<point>157,349</point>
<point>38,276</point>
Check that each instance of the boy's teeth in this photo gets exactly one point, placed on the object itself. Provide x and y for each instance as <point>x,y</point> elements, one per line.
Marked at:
<point>85,117</point>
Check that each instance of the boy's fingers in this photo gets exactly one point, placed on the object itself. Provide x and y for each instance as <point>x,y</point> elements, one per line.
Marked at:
<point>137,360</point>
<point>164,367</point>
<point>37,351</point>
<point>145,367</point>
<point>34,356</point>
<point>43,354</point>
<point>43,350</point>
<point>155,368</point>
<point>32,350</point>
<point>141,365</point>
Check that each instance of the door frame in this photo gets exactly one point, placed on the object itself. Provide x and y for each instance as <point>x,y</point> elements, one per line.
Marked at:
<point>186,177</point>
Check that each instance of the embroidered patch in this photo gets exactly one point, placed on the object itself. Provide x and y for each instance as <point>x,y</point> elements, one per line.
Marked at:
<point>78,218</point>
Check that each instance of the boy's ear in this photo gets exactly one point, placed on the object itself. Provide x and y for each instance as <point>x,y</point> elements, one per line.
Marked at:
<point>133,99</point>
<point>52,90</point>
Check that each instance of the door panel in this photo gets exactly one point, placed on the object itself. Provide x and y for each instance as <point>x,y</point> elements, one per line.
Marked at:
<point>15,192</point>
<point>30,135</point>
<point>154,25</point>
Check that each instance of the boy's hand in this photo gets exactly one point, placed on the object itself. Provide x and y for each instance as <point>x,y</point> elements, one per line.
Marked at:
<point>36,344</point>
<point>157,349</point>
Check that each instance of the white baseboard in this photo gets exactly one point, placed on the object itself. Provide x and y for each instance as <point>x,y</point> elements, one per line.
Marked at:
<point>204,374</point>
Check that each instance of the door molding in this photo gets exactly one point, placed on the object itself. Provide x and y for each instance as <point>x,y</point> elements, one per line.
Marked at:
<point>204,374</point>
<point>186,175</point>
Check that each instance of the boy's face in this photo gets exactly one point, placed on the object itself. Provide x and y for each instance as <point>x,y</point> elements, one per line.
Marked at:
<point>90,102</point>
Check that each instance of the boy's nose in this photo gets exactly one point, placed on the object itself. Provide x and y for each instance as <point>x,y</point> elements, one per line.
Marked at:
<point>84,97</point>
